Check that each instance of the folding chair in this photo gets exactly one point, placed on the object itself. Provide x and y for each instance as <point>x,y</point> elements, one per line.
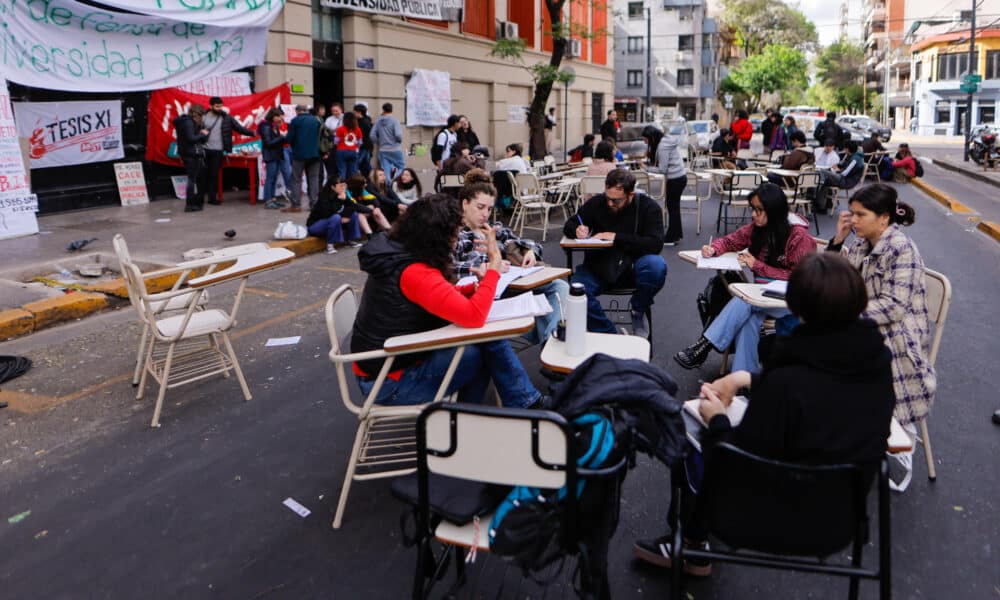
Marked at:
<point>938,301</point>
<point>779,515</point>
<point>846,192</point>
<point>798,198</point>
<point>736,196</point>
<point>694,185</point>
<point>530,197</point>
<point>871,161</point>
<point>501,446</point>
<point>591,185</point>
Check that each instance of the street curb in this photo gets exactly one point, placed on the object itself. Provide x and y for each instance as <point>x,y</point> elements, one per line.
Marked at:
<point>943,198</point>
<point>991,229</point>
<point>947,164</point>
<point>31,317</point>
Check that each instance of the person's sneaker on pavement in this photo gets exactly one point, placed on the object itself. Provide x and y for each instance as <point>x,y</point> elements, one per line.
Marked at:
<point>657,552</point>
<point>355,244</point>
<point>640,326</point>
<point>331,249</point>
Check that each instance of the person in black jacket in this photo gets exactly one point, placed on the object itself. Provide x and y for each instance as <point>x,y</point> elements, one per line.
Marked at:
<point>365,152</point>
<point>333,213</point>
<point>610,127</point>
<point>825,395</point>
<point>633,223</point>
<point>220,126</point>
<point>272,152</point>
<point>830,130</point>
<point>191,139</point>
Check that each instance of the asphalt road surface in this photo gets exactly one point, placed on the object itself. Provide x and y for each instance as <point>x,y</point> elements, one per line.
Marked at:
<point>194,509</point>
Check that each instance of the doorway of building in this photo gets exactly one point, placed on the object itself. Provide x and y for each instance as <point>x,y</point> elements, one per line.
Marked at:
<point>328,86</point>
<point>596,112</point>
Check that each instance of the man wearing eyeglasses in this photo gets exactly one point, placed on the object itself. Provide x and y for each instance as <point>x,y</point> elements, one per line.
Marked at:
<point>633,223</point>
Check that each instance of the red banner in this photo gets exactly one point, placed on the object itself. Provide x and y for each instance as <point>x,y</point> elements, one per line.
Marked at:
<point>166,105</point>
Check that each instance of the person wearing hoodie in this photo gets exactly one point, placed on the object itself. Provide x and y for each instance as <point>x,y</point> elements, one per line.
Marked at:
<point>757,242</point>
<point>824,397</point>
<point>387,134</point>
<point>411,289</point>
<point>332,214</point>
<point>800,156</point>
<point>191,138</point>
<point>664,157</point>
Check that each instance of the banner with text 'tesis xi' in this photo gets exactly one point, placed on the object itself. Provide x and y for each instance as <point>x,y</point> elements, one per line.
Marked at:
<point>71,133</point>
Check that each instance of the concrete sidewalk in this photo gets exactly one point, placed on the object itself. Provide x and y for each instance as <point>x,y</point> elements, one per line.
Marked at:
<point>158,234</point>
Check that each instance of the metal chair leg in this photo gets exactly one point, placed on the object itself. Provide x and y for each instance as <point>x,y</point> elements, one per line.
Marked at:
<point>352,465</point>
<point>928,453</point>
<point>167,362</point>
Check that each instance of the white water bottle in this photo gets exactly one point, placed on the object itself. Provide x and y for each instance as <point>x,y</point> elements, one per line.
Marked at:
<point>576,319</point>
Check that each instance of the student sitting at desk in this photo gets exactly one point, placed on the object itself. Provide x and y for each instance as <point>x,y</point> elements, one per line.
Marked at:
<point>740,322</point>
<point>410,290</point>
<point>823,398</point>
<point>471,258</point>
<point>633,223</point>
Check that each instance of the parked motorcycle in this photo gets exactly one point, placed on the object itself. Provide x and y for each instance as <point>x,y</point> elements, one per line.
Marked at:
<point>983,149</point>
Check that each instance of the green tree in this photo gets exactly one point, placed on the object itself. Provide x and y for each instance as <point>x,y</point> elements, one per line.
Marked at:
<point>839,64</point>
<point>759,23</point>
<point>776,69</point>
<point>546,74</point>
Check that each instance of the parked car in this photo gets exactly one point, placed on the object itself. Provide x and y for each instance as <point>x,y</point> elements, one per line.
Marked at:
<point>864,126</point>
<point>705,133</point>
<point>686,136</point>
<point>756,119</point>
<point>630,142</point>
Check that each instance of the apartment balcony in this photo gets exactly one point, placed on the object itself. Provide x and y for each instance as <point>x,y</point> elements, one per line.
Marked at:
<point>875,11</point>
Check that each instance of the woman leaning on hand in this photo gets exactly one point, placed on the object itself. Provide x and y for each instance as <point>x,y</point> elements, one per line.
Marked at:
<point>893,271</point>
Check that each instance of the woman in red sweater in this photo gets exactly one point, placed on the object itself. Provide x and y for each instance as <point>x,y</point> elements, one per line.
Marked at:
<point>742,129</point>
<point>740,322</point>
<point>349,140</point>
<point>409,290</point>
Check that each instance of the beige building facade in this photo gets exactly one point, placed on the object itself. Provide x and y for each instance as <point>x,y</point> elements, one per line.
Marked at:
<point>356,56</point>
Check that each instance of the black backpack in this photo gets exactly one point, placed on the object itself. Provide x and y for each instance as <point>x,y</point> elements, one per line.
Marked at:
<point>919,170</point>
<point>714,297</point>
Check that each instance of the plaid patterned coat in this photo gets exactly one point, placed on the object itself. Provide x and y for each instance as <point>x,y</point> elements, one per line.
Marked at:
<point>467,257</point>
<point>897,301</point>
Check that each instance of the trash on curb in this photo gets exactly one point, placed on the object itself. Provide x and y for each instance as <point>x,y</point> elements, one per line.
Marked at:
<point>295,507</point>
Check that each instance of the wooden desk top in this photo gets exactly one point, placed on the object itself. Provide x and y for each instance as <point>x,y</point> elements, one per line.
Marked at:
<point>689,256</point>
<point>539,278</point>
<point>245,265</point>
<point>554,354</point>
<point>453,335</point>
<point>785,172</point>
<point>566,242</point>
<point>751,294</point>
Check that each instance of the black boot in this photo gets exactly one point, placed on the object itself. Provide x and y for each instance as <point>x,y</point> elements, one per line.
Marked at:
<point>694,355</point>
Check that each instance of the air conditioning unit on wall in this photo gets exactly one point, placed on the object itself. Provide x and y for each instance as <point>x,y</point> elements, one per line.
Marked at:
<point>574,48</point>
<point>507,30</point>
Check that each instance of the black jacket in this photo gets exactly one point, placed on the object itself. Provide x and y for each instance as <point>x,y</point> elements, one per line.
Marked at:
<point>365,125</point>
<point>384,311</point>
<point>638,228</point>
<point>828,129</point>
<point>228,124</point>
<point>272,143</point>
<point>825,397</point>
<point>188,136</point>
<point>327,205</point>
<point>640,393</point>
<point>766,129</point>
<point>608,130</point>
<point>469,137</point>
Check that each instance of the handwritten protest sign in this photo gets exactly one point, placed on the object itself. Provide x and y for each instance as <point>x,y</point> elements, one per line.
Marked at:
<point>228,84</point>
<point>428,98</point>
<point>67,45</point>
<point>167,105</point>
<point>17,204</point>
<point>248,13</point>
<point>71,133</point>
<point>131,183</point>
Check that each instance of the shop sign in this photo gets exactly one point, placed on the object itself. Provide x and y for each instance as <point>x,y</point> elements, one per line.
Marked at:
<point>71,133</point>
<point>17,204</point>
<point>68,45</point>
<point>432,10</point>
<point>131,183</point>
<point>300,57</point>
<point>428,98</point>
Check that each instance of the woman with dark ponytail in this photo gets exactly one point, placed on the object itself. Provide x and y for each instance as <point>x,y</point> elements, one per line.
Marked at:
<point>893,272</point>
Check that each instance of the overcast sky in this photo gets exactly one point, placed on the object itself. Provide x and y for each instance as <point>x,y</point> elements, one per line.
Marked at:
<point>826,15</point>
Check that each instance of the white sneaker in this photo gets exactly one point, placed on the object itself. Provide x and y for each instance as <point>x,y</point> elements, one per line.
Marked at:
<point>355,244</point>
<point>331,249</point>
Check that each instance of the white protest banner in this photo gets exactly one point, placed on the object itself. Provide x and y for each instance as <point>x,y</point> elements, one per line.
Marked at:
<point>428,98</point>
<point>229,13</point>
<point>71,133</point>
<point>17,204</point>
<point>131,183</point>
<point>229,84</point>
<point>67,45</point>
<point>433,10</point>
<point>517,113</point>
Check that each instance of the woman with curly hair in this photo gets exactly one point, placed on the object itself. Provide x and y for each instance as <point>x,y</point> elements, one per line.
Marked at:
<point>410,289</point>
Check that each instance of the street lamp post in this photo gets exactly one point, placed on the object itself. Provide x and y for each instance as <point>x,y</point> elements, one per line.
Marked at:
<point>649,63</point>
<point>972,70</point>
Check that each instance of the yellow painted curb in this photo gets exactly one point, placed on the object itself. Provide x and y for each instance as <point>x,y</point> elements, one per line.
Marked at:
<point>310,245</point>
<point>943,198</point>
<point>15,322</point>
<point>50,311</point>
<point>991,229</point>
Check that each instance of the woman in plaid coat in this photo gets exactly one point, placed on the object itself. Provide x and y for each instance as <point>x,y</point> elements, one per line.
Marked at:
<point>894,276</point>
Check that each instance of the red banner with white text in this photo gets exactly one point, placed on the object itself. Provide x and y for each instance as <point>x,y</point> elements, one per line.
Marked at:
<point>166,105</point>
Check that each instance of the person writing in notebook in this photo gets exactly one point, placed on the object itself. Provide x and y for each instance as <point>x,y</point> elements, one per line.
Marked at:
<point>633,224</point>
<point>472,258</point>
<point>409,290</point>
<point>825,397</point>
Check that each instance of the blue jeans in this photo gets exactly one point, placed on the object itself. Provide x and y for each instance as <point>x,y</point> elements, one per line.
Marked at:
<point>392,162</point>
<point>741,323</point>
<point>478,364</point>
<point>647,276</point>
<point>365,162</point>
<point>286,169</point>
<point>332,228</point>
<point>347,163</point>
<point>271,178</point>
<point>546,324</point>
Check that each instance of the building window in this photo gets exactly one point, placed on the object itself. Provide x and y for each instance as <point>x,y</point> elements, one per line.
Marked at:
<point>685,42</point>
<point>326,23</point>
<point>992,65</point>
<point>916,70</point>
<point>706,42</point>
<point>685,77</point>
<point>952,66</point>
<point>685,13</point>
<point>987,114</point>
<point>636,44</point>
<point>635,10</point>
<point>942,112</point>
<point>634,78</point>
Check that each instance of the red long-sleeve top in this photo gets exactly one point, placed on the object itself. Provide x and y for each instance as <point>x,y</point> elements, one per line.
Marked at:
<point>798,245</point>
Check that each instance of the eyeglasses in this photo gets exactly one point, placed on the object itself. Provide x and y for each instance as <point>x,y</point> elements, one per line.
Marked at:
<point>757,210</point>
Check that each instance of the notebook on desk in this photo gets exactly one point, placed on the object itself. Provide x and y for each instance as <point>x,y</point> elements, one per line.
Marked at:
<point>523,305</point>
<point>696,426</point>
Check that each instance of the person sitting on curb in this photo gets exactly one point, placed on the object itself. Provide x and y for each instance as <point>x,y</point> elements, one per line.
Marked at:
<point>904,168</point>
<point>332,214</point>
<point>477,199</point>
<point>366,204</point>
<point>633,224</point>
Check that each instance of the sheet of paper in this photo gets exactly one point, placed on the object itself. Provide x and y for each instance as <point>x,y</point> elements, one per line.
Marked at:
<point>296,507</point>
<point>587,241</point>
<point>511,275</point>
<point>285,341</point>
<point>523,305</point>
<point>467,280</point>
<point>726,262</point>
<point>777,286</point>
<point>735,411</point>
<point>161,220</point>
